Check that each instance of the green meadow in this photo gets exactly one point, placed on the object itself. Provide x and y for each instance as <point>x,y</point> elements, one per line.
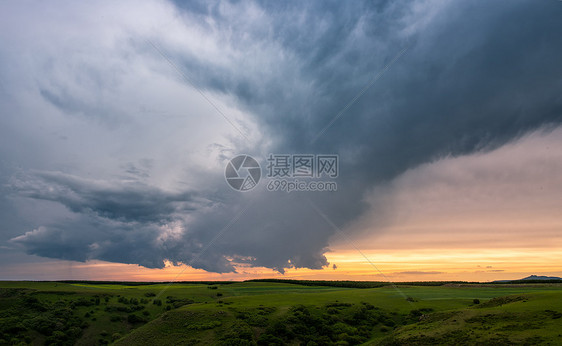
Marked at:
<point>278,313</point>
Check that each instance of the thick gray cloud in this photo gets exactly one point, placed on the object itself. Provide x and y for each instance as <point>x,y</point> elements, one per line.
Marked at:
<point>475,75</point>
<point>127,201</point>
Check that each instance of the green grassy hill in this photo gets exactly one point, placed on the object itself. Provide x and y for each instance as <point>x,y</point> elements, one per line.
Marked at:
<point>272,313</point>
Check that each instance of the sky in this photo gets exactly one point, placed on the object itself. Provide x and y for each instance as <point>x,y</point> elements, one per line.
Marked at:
<point>119,120</point>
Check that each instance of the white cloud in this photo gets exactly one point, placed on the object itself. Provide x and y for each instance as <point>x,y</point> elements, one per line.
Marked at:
<point>97,95</point>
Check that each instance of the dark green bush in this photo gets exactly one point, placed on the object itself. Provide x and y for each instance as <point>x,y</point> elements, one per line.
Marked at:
<point>133,319</point>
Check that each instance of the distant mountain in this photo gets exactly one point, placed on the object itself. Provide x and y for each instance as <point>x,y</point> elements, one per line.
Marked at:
<point>537,277</point>
<point>533,278</point>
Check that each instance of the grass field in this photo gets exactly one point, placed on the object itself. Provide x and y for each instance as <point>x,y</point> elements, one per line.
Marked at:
<point>272,313</point>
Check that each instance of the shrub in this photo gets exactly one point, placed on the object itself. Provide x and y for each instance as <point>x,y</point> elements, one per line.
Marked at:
<point>269,339</point>
<point>203,326</point>
<point>83,302</point>
<point>177,302</point>
<point>56,338</point>
<point>115,318</point>
<point>132,318</point>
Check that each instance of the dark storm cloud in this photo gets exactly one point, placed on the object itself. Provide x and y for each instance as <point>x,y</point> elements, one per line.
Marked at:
<point>89,238</point>
<point>475,76</point>
<point>276,231</point>
<point>123,201</point>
